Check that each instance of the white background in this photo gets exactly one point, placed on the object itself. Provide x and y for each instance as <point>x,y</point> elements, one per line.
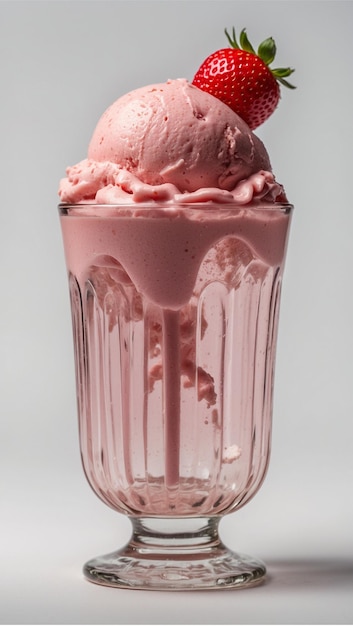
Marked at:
<point>61,64</point>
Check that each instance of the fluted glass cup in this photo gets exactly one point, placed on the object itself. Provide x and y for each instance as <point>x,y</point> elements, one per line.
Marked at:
<point>175,315</point>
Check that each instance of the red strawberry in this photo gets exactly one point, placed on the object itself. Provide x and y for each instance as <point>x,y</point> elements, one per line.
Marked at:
<point>242,78</point>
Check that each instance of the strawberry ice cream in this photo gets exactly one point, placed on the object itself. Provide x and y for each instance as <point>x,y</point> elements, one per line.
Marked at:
<point>171,142</point>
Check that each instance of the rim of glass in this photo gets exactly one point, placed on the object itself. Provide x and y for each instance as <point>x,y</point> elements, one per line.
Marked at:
<point>284,207</point>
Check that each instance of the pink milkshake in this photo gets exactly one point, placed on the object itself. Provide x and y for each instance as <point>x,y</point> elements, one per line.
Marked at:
<point>175,234</point>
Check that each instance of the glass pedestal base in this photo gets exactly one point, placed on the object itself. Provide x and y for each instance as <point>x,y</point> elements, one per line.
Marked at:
<point>175,554</point>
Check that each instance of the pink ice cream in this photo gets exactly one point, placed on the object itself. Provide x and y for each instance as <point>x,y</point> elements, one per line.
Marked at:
<point>171,142</point>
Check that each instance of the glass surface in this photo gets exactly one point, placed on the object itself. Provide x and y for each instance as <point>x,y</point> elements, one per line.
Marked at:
<point>175,315</point>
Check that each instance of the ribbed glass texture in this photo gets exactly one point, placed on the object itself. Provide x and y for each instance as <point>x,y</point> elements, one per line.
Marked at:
<point>175,405</point>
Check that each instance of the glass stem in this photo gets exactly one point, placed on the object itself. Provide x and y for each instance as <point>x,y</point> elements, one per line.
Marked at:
<point>182,535</point>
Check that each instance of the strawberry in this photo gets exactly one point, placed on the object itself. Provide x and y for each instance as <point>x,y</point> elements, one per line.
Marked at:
<point>242,78</point>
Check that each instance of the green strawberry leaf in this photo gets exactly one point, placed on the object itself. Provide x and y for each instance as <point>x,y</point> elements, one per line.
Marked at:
<point>245,43</point>
<point>233,42</point>
<point>267,50</point>
<point>285,83</point>
<point>281,72</point>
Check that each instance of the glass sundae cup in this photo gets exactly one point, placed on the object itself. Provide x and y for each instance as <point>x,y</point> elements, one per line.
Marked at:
<point>175,315</point>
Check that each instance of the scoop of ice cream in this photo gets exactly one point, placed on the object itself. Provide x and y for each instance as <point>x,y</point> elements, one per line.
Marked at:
<point>176,133</point>
<point>171,141</point>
